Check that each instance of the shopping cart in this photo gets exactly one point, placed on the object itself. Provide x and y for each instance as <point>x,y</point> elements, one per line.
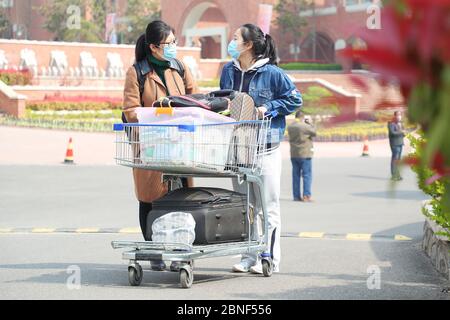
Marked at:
<point>232,149</point>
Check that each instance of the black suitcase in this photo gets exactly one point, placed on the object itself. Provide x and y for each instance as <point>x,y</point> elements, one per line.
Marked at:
<point>220,215</point>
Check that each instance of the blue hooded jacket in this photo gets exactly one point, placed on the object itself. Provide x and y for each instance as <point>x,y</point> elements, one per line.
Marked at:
<point>269,86</point>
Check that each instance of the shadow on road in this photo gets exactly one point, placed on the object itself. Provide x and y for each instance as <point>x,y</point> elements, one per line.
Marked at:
<point>113,275</point>
<point>394,194</point>
<point>367,177</point>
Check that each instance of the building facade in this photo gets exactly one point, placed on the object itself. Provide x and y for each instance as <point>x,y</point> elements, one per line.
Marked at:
<point>209,24</point>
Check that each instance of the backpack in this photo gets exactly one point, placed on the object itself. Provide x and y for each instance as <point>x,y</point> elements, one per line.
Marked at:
<point>143,68</point>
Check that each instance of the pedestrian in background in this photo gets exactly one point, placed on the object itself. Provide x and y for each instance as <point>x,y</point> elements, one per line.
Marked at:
<point>301,134</point>
<point>396,141</point>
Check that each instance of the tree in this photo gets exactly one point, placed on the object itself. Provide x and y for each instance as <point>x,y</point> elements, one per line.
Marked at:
<point>289,19</point>
<point>138,15</point>
<point>5,26</point>
<point>60,14</point>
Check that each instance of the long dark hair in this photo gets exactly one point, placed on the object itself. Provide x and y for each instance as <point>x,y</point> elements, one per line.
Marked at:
<point>263,44</point>
<point>156,32</point>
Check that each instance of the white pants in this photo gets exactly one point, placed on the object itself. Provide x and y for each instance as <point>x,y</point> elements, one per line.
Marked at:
<point>271,179</point>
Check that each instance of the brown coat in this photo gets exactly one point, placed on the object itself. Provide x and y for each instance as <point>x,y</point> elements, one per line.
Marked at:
<point>148,185</point>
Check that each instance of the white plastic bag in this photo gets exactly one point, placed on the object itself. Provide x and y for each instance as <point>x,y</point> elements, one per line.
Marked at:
<point>174,227</point>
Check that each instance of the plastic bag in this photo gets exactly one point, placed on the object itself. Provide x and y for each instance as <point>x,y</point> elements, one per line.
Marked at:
<point>174,227</point>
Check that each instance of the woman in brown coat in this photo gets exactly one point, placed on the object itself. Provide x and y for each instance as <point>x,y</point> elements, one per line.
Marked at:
<point>163,75</point>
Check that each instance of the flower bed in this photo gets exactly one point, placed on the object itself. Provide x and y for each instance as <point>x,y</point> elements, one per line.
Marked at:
<point>355,131</point>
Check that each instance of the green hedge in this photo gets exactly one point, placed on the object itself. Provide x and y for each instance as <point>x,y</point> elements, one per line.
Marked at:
<point>209,83</point>
<point>71,125</point>
<point>311,66</point>
<point>60,106</point>
<point>78,115</point>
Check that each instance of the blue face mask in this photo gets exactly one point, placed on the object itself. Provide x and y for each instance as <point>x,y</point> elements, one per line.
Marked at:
<point>170,52</point>
<point>233,49</point>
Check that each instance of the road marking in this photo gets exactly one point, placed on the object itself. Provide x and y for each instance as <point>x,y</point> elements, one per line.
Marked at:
<point>87,230</point>
<point>137,230</point>
<point>400,237</point>
<point>43,230</point>
<point>311,234</point>
<point>359,236</point>
<point>130,230</point>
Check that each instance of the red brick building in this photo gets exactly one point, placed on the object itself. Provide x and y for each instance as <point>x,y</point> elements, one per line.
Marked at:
<point>211,23</point>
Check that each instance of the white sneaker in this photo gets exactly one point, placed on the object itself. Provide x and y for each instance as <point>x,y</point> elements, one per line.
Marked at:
<point>257,268</point>
<point>242,266</point>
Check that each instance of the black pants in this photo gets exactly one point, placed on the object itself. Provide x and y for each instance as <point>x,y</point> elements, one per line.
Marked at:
<point>144,209</point>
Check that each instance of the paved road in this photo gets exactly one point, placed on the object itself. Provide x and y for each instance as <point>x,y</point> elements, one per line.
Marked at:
<point>352,196</point>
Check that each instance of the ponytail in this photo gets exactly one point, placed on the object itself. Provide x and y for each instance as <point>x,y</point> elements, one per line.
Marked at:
<point>141,51</point>
<point>271,50</point>
<point>263,44</point>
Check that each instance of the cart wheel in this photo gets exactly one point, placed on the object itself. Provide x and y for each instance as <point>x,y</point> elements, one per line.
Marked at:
<point>186,278</point>
<point>135,275</point>
<point>267,267</point>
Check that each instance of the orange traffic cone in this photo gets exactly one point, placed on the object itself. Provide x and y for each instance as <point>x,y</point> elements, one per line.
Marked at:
<point>365,152</point>
<point>69,153</point>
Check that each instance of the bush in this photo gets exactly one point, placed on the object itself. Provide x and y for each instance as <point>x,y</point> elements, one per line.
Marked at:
<point>66,105</point>
<point>214,83</point>
<point>435,190</point>
<point>72,125</point>
<point>16,77</point>
<point>313,102</point>
<point>331,110</point>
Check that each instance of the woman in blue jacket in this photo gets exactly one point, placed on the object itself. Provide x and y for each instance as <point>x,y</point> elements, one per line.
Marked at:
<point>254,71</point>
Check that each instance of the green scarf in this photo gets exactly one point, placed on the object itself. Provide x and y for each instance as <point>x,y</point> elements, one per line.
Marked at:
<point>160,67</point>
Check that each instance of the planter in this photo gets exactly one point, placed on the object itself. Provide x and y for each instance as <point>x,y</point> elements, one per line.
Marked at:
<point>435,246</point>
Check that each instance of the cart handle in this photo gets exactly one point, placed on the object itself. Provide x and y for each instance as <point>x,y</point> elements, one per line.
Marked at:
<point>181,127</point>
<point>271,114</point>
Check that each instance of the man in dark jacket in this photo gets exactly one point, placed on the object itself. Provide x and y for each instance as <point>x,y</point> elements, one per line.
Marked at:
<point>396,137</point>
<point>301,133</point>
